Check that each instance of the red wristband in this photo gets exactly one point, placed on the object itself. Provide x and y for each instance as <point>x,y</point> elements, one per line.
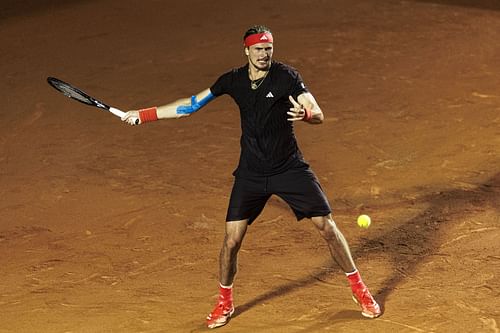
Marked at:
<point>308,115</point>
<point>147,115</point>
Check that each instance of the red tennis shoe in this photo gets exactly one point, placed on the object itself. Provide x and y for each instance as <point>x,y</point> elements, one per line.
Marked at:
<point>221,314</point>
<point>369,307</point>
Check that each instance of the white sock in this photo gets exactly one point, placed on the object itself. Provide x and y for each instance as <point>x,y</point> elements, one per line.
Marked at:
<point>352,273</point>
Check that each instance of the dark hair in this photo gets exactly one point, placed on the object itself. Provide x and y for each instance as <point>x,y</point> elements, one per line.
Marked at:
<point>256,29</point>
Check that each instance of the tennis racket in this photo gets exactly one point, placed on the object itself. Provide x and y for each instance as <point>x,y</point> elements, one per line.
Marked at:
<point>76,94</point>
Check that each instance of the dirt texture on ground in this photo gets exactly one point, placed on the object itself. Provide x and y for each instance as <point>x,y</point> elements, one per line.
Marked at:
<point>106,227</point>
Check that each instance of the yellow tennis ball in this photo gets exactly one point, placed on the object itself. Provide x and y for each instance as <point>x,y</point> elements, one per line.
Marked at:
<point>364,221</point>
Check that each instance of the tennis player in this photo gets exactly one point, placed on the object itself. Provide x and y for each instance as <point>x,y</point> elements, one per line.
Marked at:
<point>271,97</point>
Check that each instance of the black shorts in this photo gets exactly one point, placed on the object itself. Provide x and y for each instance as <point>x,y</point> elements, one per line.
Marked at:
<point>298,187</point>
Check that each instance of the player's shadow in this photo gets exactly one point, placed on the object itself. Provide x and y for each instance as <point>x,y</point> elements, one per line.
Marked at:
<point>406,246</point>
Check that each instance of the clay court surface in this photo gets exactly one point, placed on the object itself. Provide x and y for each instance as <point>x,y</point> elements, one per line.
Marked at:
<point>106,227</point>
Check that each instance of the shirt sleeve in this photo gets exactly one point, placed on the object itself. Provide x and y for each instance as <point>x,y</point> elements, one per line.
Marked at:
<point>298,86</point>
<point>222,85</point>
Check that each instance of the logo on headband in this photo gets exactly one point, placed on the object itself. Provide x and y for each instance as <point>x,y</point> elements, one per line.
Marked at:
<point>265,37</point>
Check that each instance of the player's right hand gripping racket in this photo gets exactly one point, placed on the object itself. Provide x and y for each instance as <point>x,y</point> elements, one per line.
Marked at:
<point>75,93</point>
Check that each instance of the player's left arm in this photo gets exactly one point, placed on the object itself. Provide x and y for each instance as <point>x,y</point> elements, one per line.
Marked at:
<point>305,108</point>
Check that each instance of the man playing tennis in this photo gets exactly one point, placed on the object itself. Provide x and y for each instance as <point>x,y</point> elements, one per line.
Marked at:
<point>271,96</point>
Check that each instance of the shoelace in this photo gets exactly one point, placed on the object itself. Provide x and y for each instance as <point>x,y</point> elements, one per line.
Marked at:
<point>219,309</point>
<point>366,297</point>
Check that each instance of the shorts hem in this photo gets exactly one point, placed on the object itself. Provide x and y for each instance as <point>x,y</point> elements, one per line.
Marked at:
<point>311,215</point>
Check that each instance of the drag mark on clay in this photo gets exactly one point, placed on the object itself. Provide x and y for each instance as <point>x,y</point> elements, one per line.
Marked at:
<point>39,111</point>
<point>416,329</point>
<point>142,269</point>
<point>468,234</point>
<point>476,94</point>
<point>490,323</point>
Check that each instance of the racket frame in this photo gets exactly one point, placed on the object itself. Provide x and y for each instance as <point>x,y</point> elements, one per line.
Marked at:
<point>76,94</point>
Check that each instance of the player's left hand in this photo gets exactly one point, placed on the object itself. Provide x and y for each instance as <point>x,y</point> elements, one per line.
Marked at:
<point>297,112</point>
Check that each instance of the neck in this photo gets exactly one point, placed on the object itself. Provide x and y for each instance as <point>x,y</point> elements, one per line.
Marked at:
<point>255,73</point>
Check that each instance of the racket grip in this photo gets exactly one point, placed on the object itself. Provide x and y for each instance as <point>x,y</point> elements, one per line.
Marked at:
<point>120,114</point>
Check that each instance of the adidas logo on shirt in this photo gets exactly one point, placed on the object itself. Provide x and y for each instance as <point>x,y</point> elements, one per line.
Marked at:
<point>269,95</point>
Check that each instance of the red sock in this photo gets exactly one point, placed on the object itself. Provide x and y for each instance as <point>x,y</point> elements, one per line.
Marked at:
<point>226,293</point>
<point>355,280</point>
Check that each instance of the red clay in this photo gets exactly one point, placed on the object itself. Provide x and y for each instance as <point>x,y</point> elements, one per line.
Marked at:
<point>110,228</point>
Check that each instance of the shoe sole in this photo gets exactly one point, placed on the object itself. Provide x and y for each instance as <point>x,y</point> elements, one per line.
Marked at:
<point>365,314</point>
<point>215,325</point>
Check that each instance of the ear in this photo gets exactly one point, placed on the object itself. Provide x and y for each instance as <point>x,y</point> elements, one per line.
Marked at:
<point>246,51</point>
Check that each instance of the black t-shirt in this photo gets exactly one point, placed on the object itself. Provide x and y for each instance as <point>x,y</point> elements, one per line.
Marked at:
<point>268,143</point>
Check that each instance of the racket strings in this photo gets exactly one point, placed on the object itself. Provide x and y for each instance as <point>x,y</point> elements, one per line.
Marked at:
<point>73,93</point>
<point>76,94</point>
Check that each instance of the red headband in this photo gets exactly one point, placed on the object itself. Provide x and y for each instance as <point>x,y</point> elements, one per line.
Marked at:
<point>264,37</point>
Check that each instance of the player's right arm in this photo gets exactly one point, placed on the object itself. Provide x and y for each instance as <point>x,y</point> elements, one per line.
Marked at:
<point>180,108</point>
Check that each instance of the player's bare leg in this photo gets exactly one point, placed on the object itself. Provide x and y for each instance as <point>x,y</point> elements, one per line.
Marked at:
<point>341,254</point>
<point>336,241</point>
<point>228,265</point>
<point>235,232</point>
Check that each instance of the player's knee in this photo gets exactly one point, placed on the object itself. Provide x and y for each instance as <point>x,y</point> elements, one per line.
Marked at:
<point>232,242</point>
<point>326,226</point>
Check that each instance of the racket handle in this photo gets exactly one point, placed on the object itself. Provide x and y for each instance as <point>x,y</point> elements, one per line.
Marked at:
<point>120,114</point>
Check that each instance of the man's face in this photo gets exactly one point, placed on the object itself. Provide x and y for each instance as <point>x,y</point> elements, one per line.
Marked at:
<point>260,56</point>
